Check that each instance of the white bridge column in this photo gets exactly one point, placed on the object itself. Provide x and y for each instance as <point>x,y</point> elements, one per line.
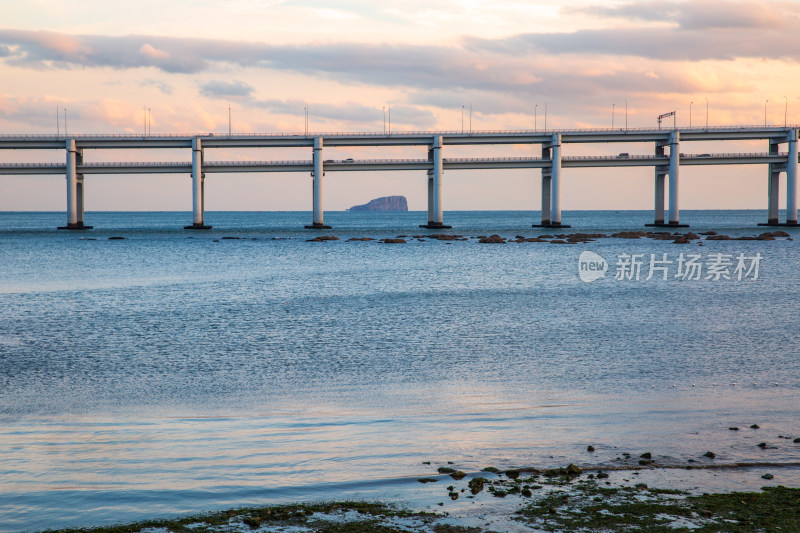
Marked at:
<point>198,196</point>
<point>674,178</point>
<point>791,181</point>
<point>773,196</point>
<point>660,182</point>
<point>436,188</point>
<point>74,188</point>
<point>546,194</point>
<point>555,182</point>
<point>547,177</point>
<point>773,188</point>
<point>659,197</point>
<point>319,173</point>
<point>430,196</point>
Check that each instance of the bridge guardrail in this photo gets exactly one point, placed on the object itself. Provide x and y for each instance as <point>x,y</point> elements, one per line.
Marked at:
<point>411,133</point>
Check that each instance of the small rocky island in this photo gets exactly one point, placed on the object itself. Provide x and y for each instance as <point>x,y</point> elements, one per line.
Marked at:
<point>386,203</point>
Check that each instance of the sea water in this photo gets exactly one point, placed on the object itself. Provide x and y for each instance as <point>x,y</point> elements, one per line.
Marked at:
<point>178,371</point>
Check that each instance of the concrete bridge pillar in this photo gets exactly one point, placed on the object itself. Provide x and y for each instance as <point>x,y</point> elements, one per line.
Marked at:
<point>198,186</point>
<point>551,185</point>
<point>547,177</point>
<point>555,182</point>
<point>435,188</point>
<point>319,173</point>
<point>74,189</point>
<point>773,196</point>
<point>674,179</point>
<point>773,188</point>
<point>79,189</point>
<point>659,197</point>
<point>430,196</point>
<point>660,182</point>
<point>791,181</point>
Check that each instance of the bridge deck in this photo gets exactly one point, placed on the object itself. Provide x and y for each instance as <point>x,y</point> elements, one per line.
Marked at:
<point>462,163</point>
<point>411,138</point>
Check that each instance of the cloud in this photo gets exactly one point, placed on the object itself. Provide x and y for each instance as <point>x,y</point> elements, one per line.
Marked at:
<point>226,89</point>
<point>349,112</point>
<point>152,52</point>
<point>37,112</point>
<point>653,43</point>
<point>518,64</point>
<point>161,85</point>
<point>698,15</point>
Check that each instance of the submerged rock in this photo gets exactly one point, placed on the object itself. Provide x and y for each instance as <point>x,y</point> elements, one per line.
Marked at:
<point>476,484</point>
<point>628,234</point>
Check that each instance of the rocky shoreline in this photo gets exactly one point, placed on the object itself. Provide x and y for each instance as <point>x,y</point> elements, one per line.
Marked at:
<point>565,499</point>
<point>634,492</point>
<point>569,238</point>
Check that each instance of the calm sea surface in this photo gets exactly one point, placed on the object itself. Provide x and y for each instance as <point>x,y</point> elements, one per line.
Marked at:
<point>177,371</point>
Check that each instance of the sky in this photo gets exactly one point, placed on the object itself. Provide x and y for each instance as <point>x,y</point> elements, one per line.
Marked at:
<point>588,63</point>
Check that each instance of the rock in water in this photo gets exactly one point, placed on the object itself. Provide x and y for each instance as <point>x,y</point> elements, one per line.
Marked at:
<point>386,203</point>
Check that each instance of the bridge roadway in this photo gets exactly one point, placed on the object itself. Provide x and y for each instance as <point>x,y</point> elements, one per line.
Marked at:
<point>666,161</point>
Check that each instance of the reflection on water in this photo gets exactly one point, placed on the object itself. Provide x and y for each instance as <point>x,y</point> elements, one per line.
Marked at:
<point>165,374</point>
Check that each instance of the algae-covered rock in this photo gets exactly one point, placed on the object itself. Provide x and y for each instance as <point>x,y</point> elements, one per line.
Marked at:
<point>476,484</point>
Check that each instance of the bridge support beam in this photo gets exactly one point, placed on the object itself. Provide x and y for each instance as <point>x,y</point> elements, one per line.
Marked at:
<point>551,186</point>
<point>674,180</point>
<point>435,188</point>
<point>791,181</point>
<point>774,188</point>
<point>773,196</point>
<point>319,173</point>
<point>74,189</point>
<point>547,179</point>
<point>430,196</point>
<point>198,186</point>
<point>660,195</point>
